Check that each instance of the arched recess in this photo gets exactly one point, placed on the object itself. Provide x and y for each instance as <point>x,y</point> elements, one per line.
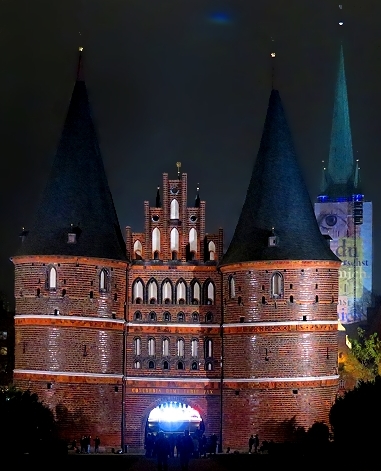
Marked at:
<point>138,250</point>
<point>209,292</point>
<point>51,278</point>
<point>174,417</point>
<point>181,292</point>
<point>138,291</point>
<point>175,240</point>
<point>231,283</point>
<point>193,242</point>
<point>174,209</point>
<point>276,285</point>
<point>155,243</point>
<point>152,291</point>
<point>212,250</point>
<point>167,292</point>
<point>195,292</point>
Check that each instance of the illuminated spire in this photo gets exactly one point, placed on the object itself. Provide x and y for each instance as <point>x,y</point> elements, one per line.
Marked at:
<point>197,200</point>
<point>80,77</point>
<point>158,199</point>
<point>178,165</point>
<point>272,55</point>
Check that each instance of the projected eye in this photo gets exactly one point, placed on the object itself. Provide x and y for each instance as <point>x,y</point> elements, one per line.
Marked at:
<point>334,223</point>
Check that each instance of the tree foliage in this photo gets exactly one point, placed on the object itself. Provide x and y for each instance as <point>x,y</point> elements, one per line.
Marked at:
<point>26,424</point>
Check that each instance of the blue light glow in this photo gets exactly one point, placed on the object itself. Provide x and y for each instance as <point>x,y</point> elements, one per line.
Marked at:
<point>221,18</point>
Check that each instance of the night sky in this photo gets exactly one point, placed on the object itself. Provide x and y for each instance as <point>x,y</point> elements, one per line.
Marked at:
<point>182,80</point>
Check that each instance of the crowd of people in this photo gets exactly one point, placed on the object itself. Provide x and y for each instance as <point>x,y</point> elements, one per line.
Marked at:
<point>183,446</point>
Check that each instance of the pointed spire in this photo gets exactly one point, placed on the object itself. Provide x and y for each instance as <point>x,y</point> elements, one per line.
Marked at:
<point>277,202</point>
<point>158,199</point>
<point>340,163</point>
<point>80,76</point>
<point>178,165</point>
<point>357,181</point>
<point>77,193</point>
<point>323,183</point>
<point>197,199</point>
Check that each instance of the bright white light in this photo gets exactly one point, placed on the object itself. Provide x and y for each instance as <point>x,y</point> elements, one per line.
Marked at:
<point>174,412</point>
<point>341,23</point>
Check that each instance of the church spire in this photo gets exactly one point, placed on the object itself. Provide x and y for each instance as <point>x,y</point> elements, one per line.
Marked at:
<point>197,199</point>
<point>277,221</point>
<point>340,162</point>
<point>76,215</point>
<point>158,198</point>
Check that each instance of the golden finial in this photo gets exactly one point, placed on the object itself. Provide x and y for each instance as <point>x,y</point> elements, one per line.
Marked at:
<point>178,165</point>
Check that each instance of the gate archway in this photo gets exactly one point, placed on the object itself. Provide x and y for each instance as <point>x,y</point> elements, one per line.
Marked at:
<point>174,417</point>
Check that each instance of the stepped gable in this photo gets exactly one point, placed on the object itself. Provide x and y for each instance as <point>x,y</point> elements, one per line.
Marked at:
<point>277,202</point>
<point>77,199</point>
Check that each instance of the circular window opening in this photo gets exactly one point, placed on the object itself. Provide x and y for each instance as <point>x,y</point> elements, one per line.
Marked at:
<point>193,218</point>
<point>155,218</point>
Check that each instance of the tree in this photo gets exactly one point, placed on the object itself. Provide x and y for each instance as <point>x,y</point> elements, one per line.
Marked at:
<point>27,425</point>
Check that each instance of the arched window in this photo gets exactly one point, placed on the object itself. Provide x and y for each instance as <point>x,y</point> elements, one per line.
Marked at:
<point>137,365</point>
<point>138,250</point>
<point>152,316</point>
<point>291,299</point>
<point>276,285</point>
<point>209,292</point>
<point>180,347</point>
<point>52,278</point>
<point>103,280</point>
<point>195,317</point>
<point>196,293</point>
<point>138,316</point>
<point>194,365</point>
<point>165,365</point>
<point>212,250</point>
<point>194,348</point>
<point>152,292</point>
<point>155,241</point>
<point>209,317</point>
<point>166,317</point>
<point>137,346</point>
<point>208,348</point>
<point>151,365</point>
<point>193,241</point>
<point>231,287</point>
<point>167,292</point>
<point>174,209</point>
<point>151,347</point>
<point>180,317</point>
<point>208,366</point>
<point>137,292</point>
<point>165,347</point>
<point>181,292</point>
<point>174,240</point>
<point>180,365</point>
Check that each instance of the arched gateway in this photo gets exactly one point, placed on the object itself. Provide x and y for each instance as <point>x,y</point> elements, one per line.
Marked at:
<point>174,417</point>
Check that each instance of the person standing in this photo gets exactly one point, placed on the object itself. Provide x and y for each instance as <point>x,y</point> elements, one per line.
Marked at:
<point>162,451</point>
<point>186,450</point>
<point>256,443</point>
<point>97,442</point>
<point>251,443</point>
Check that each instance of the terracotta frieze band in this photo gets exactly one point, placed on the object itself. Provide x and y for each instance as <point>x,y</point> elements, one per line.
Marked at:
<point>70,321</point>
<point>66,377</point>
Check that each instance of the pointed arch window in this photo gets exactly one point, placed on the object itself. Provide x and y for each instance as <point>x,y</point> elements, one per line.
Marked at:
<point>175,240</point>
<point>152,316</point>
<point>156,243</point>
<point>167,317</point>
<point>181,292</point>
<point>138,250</point>
<point>151,365</point>
<point>137,292</point>
<point>137,365</point>
<point>209,292</point>
<point>180,317</point>
<point>52,278</point>
<point>231,287</point>
<point>276,285</point>
<point>174,210</point>
<point>212,250</point>
<point>209,317</point>
<point>138,316</point>
<point>193,241</point>
<point>165,365</point>
<point>137,346</point>
<point>151,347</point>
<point>103,280</point>
<point>195,317</point>
<point>165,347</point>
<point>194,348</point>
<point>208,366</point>
<point>167,292</point>
<point>152,292</point>
<point>194,365</point>
<point>180,365</point>
<point>196,293</point>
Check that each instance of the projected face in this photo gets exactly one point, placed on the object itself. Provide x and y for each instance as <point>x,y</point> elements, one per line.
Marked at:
<point>335,219</point>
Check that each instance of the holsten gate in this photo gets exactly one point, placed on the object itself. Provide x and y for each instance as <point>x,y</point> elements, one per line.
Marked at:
<point>161,328</point>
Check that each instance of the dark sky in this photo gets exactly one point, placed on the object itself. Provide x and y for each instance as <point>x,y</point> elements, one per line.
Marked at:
<point>182,80</point>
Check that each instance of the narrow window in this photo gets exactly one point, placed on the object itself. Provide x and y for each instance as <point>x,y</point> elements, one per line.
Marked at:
<point>138,250</point>
<point>180,317</point>
<point>156,242</point>
<point>151,347</point>
<point>208,366</point>
<point>181,292</point>
<point>193,242</point>
<point>138,316</point>
<point>167,292</point>
<point>210,293</point>
<point>194,348</point>
<point>174,240</point>
<point>137,292</point>
<point>152,316</point>
<point>152,292</point>
<point>165,347</point>
<point>180,347</point>
<point>165,365</point>
<point>195,317</point>
<point>151,365</point>
<point>180,365</point>
<point>137,346</point>
<point>103,278</point>
<point>137,365</point>
<point>276,285</point>
<point>209,317</point>
<point>196,290</point>
<point>212,250</point>
<point>167,317</point>
<point>231,287</point>
<point>208,348</point>
<point>52,278</point>
<point>194,365</point>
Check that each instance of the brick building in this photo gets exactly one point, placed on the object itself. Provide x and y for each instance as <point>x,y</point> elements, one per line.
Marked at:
<point>115,336</point>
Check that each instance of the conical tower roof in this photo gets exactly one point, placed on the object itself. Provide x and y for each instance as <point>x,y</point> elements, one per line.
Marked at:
<point>341,167</point>
<point>77,198</point>
<point>277,203</point>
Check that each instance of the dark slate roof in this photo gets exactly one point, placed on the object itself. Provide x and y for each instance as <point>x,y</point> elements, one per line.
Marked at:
<point>77,194</point>
<point>278,202</point>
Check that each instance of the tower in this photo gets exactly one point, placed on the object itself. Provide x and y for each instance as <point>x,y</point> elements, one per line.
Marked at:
<point>279,293</point>
<point>70,285</point>
<point>344,214</point>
